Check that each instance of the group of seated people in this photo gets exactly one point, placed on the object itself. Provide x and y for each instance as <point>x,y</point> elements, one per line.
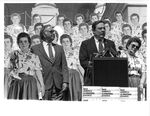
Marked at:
<point>129,39</point>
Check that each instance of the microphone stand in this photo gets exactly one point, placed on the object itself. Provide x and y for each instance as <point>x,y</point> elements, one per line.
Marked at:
<point>101,54</point>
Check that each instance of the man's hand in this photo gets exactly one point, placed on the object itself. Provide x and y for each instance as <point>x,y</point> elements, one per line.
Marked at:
<point>141,87</point>
<point>90,64</point>
<point>64,86</point>
<point>43,90</point>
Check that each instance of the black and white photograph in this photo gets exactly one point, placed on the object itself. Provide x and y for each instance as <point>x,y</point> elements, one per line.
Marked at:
<point>76,53</point>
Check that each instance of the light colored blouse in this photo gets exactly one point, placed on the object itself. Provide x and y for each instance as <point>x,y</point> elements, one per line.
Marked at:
<point>136,66</point>
<point>26,63</point>
<point>7,58</point>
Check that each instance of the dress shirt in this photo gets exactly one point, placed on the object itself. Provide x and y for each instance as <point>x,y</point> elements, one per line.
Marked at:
<point>97,44</point>
<point>45,45</point>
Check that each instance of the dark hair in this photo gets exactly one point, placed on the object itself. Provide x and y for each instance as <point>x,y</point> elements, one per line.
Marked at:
<point>79,15</point>
<point>143,32</point>
<point>93,14</point>
<point>41,33</point>
<point>96,23</point>
<point>38,24</point>
<point>107,19</point>
<point>67,19</point>
<point>34,37</point>
<point>61,15</point>
<point>134,14</point>
<point>21,35</point>
<point>56,33</point>
<point>133,39</point>
<point>125,37</point>
<point>84,24</point>
<point>6,36</point>
<point>65,36</point>
<point>117,12</point>
<point>126,25</point>
<point>43,29</point>
<point>144,24</point>
<point>107,22</point>
<point>36,15</point>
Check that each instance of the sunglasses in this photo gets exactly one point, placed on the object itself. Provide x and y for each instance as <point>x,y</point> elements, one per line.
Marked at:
<point>134,46</point>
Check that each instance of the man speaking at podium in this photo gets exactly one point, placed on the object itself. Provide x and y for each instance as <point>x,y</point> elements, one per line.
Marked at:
<point>96,46</point>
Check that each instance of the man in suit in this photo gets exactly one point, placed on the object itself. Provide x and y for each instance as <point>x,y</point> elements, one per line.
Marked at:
<point>96,46</point>
<point>54,65</point>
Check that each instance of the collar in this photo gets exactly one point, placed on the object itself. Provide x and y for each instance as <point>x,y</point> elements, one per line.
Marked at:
<point>45,43</point>
<point>26,53</point>
<point>98,41</point>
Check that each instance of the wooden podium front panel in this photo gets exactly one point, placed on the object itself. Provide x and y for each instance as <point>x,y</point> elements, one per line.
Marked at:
<point>110,72</point>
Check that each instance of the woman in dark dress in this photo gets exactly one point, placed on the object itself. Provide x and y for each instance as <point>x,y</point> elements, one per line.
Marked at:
<point>26,76</point>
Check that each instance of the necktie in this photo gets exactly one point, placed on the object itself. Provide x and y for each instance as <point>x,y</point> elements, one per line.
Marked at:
<point>100,47</point>
<point>50,52</point>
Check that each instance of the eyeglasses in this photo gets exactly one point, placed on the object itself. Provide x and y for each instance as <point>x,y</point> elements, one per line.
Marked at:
<point>134,46</point>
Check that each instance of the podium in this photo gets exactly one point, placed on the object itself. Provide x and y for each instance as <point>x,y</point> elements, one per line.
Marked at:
<point>108,71</point>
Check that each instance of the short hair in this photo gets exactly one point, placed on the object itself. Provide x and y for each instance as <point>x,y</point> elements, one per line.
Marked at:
<point>107,22</point>
<point>43,29</point>
<point>56,33</point>
<point>36,15</point>
<point>93,14</point>
<point>117,12</point>
<point>65,36</point>
<point>84,24</point>
<point>144,32</point>
<point>6,36</point>
<point>23,34</point>
<point>96,23</point>
<point>79,15</point>
<point>107,19</point>
<point>34,37</point>
<point>135,14</point>
<point>61,15</point>
<point>126,25</point>
<point>133,39</point>
<point>38,24</point>
<point>144,24</point>
<point>15,14</point>
<point>125,37</point>
<point>67,19</point>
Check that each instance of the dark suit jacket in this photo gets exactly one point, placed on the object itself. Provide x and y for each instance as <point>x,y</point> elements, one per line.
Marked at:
<point>87,50</point>
<point>53,73</point>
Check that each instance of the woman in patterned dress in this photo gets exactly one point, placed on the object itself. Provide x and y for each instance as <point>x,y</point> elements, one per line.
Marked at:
<point>75,84</point>
<point>15,28</point>
<point>8,42</point>
<point>136,66</point>
<point>26,76</point>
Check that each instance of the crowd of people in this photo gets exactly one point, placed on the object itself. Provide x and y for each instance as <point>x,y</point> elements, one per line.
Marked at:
<point>52,63</point>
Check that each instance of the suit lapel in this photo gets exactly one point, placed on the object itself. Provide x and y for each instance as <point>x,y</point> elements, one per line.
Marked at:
<point>41,49</point>
<point>93,45</point>
<point>56,51</point>
<point>106,44</point>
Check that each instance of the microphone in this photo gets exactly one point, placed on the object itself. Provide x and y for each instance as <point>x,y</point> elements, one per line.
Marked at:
<point>101,54</point>
<point>113,52</point>
<point>106,50</point>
